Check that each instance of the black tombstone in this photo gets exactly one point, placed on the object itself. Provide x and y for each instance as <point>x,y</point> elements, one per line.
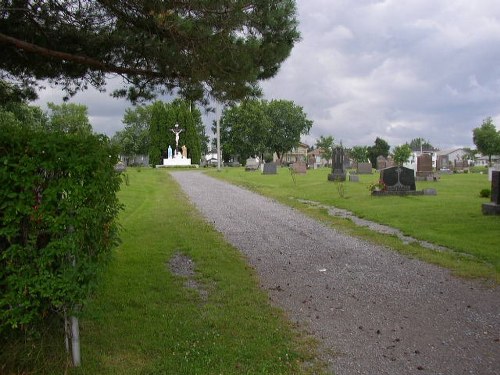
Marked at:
<point>398,179</point>
<point>338,172</point>
<point>493,207</point>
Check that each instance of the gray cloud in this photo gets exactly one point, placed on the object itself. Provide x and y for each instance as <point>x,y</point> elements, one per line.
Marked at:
<point>395,69</point>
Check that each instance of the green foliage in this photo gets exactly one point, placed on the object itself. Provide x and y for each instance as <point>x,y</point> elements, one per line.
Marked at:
<point>288,122</point>
<point>258,127</point>
<point>326,144</point>
<point>401,154</point>
<point>69,118</point>
<point>359,153</point>
<point>188,118</point>
<point>215,48</point>
<point>487,138</point>
<point>164,116</point>
<point>244,129</point>
<point>380,148</point>
<point>134,139</point>
<point>420,143</point>
<point>485,193</point>
<point>57,215</point>
<point>162,120</point>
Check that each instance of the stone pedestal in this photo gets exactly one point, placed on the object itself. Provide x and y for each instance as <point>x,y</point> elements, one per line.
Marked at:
<point>177,161</point>
<point>493,208</point>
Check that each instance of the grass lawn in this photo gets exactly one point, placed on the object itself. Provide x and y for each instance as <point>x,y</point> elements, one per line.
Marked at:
<point>143,320</point>
<point>452,219</point>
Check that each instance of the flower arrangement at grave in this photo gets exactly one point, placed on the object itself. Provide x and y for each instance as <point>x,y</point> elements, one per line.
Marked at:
<point>377,186</point>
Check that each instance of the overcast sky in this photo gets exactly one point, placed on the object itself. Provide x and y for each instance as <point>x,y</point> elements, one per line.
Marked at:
<point>395,69</point>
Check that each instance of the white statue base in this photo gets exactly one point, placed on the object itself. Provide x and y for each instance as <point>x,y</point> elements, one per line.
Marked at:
<point>178,160</point>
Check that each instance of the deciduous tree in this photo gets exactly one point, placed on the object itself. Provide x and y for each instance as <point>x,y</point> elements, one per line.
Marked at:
<point>326,144</point>
<point>380,148</point>
<point>402,153</point>
<point>287,122</point>
<point>69,118</point>
<point>359,154</point>
<point>487,138</point>
<point>245,129</point>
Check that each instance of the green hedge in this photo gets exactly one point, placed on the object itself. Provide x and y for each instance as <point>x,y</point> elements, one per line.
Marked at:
<point>58,207</point>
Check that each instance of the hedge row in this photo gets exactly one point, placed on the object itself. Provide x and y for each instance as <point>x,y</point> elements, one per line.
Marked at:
<point>58,207</point>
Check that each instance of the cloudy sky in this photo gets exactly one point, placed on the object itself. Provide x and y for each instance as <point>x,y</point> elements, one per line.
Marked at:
<point>395,69</point>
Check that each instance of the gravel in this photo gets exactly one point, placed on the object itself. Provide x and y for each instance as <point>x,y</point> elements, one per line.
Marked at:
<point>373,310</point>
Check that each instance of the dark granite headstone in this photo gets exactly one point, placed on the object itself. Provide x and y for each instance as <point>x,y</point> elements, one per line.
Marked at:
<point>398,179</point>
<point>493,208</point>
<point>270,168</point>
<point>299,167</point>
<point>338,172</point>
<point>495,187</point>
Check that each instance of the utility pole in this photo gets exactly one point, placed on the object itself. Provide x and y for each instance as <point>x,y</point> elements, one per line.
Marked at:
<point>217,120</point>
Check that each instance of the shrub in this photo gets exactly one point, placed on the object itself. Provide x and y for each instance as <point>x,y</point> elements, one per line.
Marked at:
<point>485,193</point>
<point>58,207</point>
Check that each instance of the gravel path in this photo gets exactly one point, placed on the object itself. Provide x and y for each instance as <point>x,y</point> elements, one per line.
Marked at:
<point>373,310</point>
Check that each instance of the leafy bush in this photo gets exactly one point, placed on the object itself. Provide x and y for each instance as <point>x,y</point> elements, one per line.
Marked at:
<point>485,193</point>
<point>58,207</point>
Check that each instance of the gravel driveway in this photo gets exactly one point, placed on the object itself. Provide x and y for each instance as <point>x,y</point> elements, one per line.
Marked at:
<point>373,311</point>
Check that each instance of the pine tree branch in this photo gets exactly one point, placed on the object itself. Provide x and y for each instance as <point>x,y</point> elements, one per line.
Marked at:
<point>78,59</point>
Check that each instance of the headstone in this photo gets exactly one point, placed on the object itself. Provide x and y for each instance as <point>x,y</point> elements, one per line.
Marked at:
<point>270,168</point>
<point>398,179</point>
<point>353,178</point>
<point>381,163</point>
<point>430,192</point>
<point>299,167</point>
<point>338,172</point>
<point>424,163</point>
<point>251,164</point>
<point>120,167</point>
<point>424,168</point>
<point>496,167</point>
<point>461,164</point>
<point>365,168</point>
<point>493,207</point>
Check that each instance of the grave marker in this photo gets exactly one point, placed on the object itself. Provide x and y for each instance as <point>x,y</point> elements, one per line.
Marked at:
<point>270,168</point>
<point>493,207</point>
<point>299,167</point>
<point>338,172</point>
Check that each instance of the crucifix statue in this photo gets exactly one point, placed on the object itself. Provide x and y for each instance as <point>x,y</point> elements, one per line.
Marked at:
<point>176,130</point>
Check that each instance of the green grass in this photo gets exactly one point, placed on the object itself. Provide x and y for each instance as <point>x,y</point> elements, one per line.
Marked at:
<point>144,321</point>
<point>452,219</point>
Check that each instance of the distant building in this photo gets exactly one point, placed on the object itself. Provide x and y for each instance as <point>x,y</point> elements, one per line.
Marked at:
<point>483,161</point>
<point>298,153</point>
<point>316,157</point>
<point>451,158</point>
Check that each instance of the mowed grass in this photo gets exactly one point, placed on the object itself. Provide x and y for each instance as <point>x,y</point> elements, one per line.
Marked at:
<point>452,219</point>
<point>144,320</point>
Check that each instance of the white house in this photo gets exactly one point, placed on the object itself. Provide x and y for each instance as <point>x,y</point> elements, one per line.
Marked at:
<point>450,158</point>
<point>483,161</point>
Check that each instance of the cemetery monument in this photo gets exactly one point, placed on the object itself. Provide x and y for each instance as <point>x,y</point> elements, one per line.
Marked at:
<point>338,172</point>
<point>178,158</point>
<point>493,207</point>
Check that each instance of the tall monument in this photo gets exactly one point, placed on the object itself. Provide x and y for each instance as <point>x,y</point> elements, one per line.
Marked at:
<point>338,172</point>
<point>176,130</point>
